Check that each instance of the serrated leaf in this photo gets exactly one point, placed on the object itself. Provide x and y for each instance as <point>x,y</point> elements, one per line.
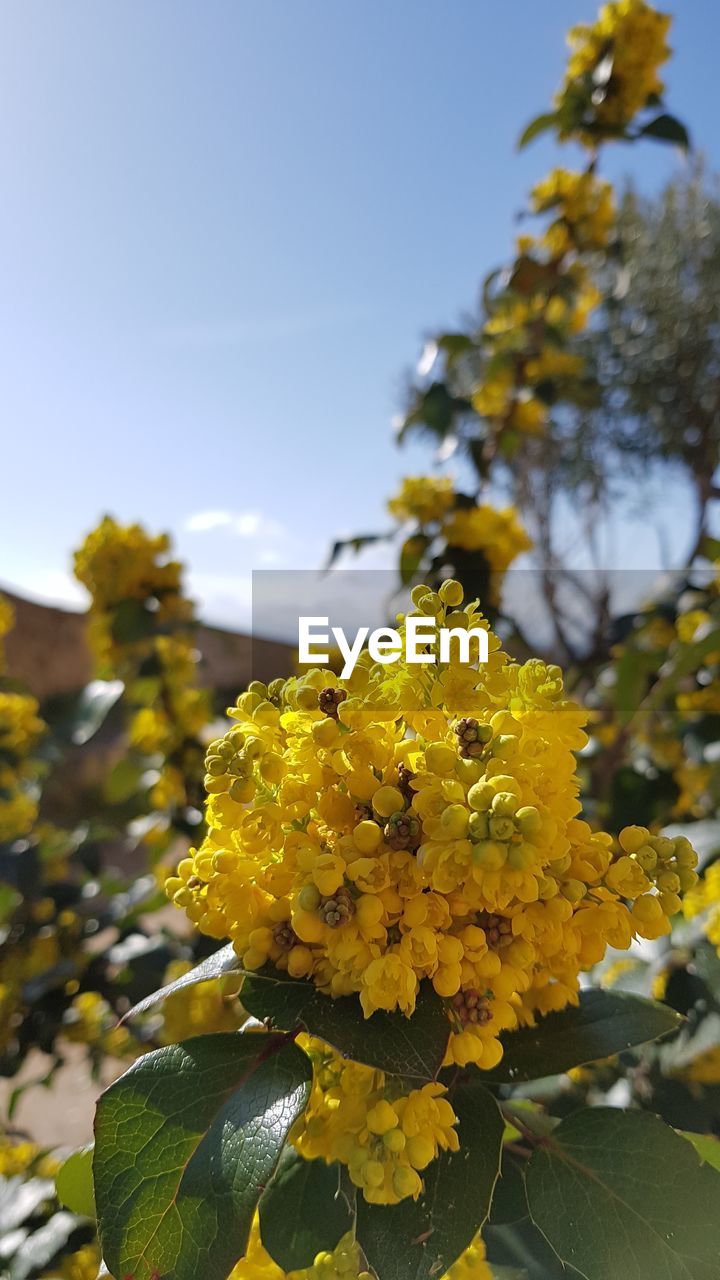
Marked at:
<point>420,1239</point>
<point>509,1200</point>
<point>409,1048</point>
<point>621,1196</point>
<point>303,1212</point>
<point>217,965</point>
<point>707,1147</point>
<point>185,1143</point>
<point>537,126</point>
<point>666,128</point>
<point>74,1182</point>
<point>604,1023</point>
<point>521,1245</point>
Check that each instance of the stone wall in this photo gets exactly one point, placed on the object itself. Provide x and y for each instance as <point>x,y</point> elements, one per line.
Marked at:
<point>48,652</point>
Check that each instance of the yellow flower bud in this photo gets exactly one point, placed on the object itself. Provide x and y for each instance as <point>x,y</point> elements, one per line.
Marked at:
<point>632,838</point>
<point>381,1118</point>
<point>440,758</point>
<point>451,592</point>
<point>386,801</point>
<point>367,834</point>
<point>420,1150</point>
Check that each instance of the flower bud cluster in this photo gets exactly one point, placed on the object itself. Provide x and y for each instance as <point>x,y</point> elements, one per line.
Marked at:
<point>21,728</point>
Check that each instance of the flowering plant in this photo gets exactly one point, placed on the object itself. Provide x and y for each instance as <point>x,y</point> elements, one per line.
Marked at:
<point>411,897</point>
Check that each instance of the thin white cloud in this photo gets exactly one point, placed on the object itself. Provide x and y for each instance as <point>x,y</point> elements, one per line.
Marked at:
<point>244,524</point>
<point>204,521</point>
<point>52,587</point>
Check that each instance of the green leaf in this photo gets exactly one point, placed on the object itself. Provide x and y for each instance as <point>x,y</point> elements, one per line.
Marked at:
<point>633,673</point>
<point>93,707</point>
<point>411,553</point>
<point>123,781</point>
<point>74,1182</point>
<point>356,544</point>
<point>604,1023</point>
<point>132,621</point>
<point>621,1196</point>
<point>520,1245</point>
<point>707,1147</point>
<point>529,275</point>
<point>420,1239</point>
<point>710,547</point>
<point>303,1212</point>
<point>455,344</point>
<point>217,965</point>
<point>509,1200</point>
<point>539,125</point>
<point>666,129</point>
<point>185,1143</point>
<point>410,1048</point>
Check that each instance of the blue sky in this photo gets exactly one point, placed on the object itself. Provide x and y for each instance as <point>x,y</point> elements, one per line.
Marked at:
<point>225,230</point>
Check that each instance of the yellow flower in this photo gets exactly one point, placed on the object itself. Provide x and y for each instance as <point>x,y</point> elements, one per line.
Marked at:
<point>423,498</point>
<point>629,39</point>
<point>584,207</point>
<point>356,1115</point>
<point>497,533</point>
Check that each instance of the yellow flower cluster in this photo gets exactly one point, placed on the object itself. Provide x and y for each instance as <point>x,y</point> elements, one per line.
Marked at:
<point>358,1117</point>
<point>122,563</point>
<point>141,632</point>
<point>91,1021</point>
<point>628,43</point>
<point>345,1263</point>
<point>49,936</point>
<point>584,211</point>
<point>84,1264</point>
<point>499,534</point>
<point>17,1158</point>
<point>423,498</point>
<point>21,728</point>
<point>550,298</point>
<point>421,824</point>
